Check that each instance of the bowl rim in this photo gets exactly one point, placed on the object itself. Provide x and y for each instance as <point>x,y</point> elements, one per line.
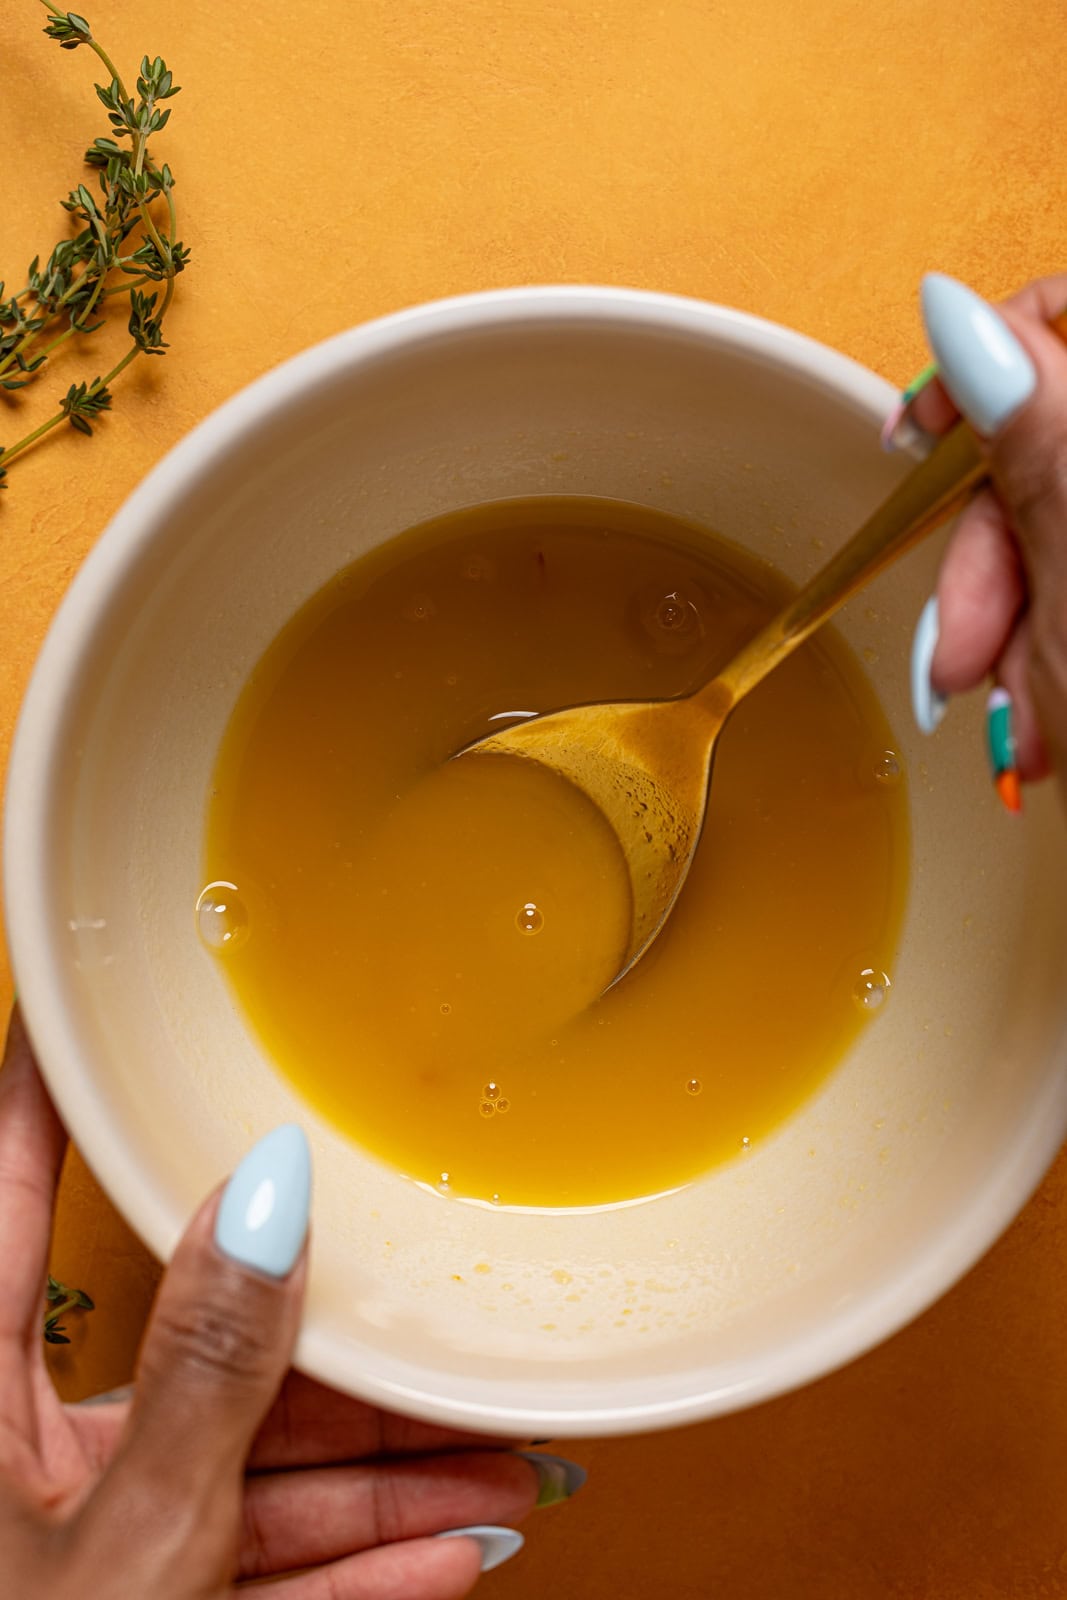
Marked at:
<point>848,1329</point>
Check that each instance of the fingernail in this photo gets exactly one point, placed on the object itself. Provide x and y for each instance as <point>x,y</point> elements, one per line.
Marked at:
<point>899,431</point>
<point>263,1214</point>
<point>983,366</point>
<point>559,1478</point>
<point>111,1397</point>
<point>497,1545</point>
<point>1001,742</point>
<point>929,706</point>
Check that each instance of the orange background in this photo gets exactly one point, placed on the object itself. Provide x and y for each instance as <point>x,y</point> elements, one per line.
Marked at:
<point>803,159</point>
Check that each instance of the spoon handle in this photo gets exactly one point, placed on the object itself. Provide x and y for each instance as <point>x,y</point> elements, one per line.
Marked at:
<point>937,489</point>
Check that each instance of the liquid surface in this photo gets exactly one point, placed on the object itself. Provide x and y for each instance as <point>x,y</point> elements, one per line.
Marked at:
<point>423,946</point>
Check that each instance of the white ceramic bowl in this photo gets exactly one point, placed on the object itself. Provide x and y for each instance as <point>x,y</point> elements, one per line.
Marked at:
<point>868,1203</point>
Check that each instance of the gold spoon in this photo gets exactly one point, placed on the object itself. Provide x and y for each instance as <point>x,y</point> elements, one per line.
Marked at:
<point>646,764</point>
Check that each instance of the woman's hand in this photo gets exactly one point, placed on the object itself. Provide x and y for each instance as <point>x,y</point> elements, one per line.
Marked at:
<point>1001,602</point>
<point>221,1468</point>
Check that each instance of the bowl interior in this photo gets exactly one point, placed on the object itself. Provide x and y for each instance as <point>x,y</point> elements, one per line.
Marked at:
<point>877,1193</point>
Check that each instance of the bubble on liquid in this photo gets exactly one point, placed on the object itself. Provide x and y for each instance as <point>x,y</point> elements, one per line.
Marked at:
<point>503,1105</point>
<point>445,1008</point>
<point>671,613</point>
<point>871,989</point>
<point>673,619</point>
<point>221,916</point>
<point>444,1183</point>
<point>530,918</point>
<point>746,1142</point>
<point>888,769</point>
<point>694,1086</point>
<point>479,569</point>
<point>419,608</point>
<point>494,1199</point>
<point>487,1108</point>
<point>491,1091</point>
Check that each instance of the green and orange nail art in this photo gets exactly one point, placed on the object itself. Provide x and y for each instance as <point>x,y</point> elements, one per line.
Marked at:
<point>1001,742</point>
<point>898,431</point>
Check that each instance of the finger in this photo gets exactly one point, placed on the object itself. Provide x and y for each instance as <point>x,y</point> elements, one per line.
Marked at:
<point>1029,463</point>
<point>1009,374</point>
<point>303,1519</point>
<point>1007,371</point>
<point>1040,301</point>
<point>980,593</point>
<point>218,1344</point>
<point>98,1424</point>
<point>32,1143</point>
<point>307,1425</point>
<point>310,1424</point>
<point>933,409</point>
<point>1013,671</point>
<point>421,1569</point>
<point>1028,455</point>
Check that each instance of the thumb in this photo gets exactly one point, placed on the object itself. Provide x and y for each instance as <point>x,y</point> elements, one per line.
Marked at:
<point>1008,375</point>
<point>218,1345</point>
<point>1007,371</point>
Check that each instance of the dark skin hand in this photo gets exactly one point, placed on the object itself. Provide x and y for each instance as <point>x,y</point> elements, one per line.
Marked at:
<point>224,1467</point>
<point>1002,590</point>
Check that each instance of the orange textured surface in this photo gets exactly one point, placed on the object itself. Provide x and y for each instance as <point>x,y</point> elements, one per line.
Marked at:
<point>806,162</point>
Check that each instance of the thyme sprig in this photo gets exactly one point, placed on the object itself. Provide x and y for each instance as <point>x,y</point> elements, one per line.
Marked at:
<point>118,247</point>
<point>62,1299</point>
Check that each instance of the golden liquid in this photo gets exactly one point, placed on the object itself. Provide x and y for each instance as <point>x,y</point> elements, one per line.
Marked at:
<point>423,947</point>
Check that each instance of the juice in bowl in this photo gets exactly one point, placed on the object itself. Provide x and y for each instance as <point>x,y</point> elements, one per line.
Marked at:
<point>431,953</point>
<point>549,496</point>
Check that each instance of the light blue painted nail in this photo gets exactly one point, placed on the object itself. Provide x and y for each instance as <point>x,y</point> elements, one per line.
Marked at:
<point>559,1478</point>
<point>929,706</point>
<point>110,1397</point>
<point>983,366</point>
<point>497,1545</point>
<point>263,1215</point>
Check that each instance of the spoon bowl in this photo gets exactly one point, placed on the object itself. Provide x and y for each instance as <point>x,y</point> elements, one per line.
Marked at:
<point>646,765</point>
